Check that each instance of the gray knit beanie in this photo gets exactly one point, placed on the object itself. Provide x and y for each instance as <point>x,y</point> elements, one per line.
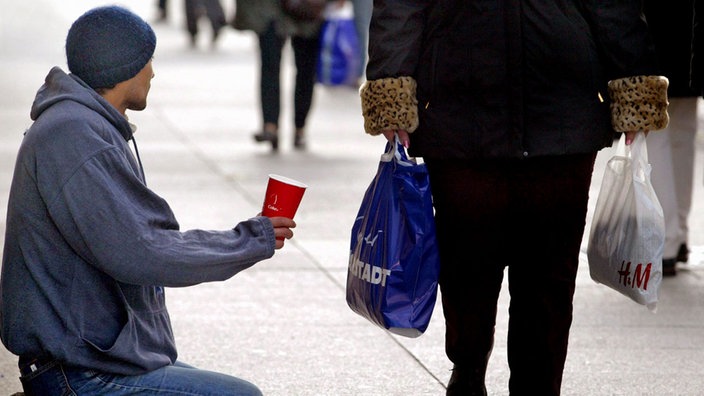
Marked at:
<point>108,45</point>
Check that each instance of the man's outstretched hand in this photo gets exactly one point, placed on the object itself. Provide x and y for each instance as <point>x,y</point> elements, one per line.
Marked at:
<point>282,229</point>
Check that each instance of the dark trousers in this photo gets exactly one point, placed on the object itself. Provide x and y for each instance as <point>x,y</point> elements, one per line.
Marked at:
<point>305,52</point>
<point>529,216</point>
<point>213,10</point>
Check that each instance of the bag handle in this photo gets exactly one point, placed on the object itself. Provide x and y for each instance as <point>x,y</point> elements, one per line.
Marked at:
<point>398,153</point>
<point>638,145</point>
<point>637,153</point>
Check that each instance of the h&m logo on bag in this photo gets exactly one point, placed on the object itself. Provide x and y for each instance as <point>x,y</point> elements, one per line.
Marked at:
<point>640,276</point>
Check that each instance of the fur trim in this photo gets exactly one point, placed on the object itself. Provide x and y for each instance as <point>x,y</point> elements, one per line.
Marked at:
<point>389,103</point>
<point>639,103</point>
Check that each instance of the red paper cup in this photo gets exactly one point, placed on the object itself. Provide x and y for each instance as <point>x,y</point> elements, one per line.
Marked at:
<point>283,195</point>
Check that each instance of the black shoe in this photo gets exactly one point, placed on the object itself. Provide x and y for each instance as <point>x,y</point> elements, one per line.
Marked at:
<point>669,267</point>
<point>683,253</point>
<point>266,136</point>
<point>299,142</point>
<point>162,17</point>
<point>463,383</point>
<point>216,36</point>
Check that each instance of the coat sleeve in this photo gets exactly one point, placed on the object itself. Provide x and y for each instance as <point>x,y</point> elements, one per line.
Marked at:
<point>621,33</point>
<point>395,35</point>
<point>638,95</point>
<point>115,223</point>
<point>697,66</point>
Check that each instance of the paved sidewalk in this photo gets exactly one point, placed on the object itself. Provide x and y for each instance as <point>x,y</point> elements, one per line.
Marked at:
<point>284,323</point>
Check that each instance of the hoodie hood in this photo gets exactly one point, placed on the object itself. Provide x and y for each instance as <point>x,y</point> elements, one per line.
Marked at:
<point>59,86</point>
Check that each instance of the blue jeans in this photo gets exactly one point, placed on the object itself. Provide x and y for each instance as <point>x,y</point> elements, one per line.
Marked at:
<point>178,379</point>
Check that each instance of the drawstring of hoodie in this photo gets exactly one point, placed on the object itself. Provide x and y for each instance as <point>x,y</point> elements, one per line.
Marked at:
<point>133,127</point>
<point>139,160</point>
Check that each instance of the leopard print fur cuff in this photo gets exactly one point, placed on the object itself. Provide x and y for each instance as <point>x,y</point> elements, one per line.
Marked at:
<point>639,103</point>
<point>389,103</point>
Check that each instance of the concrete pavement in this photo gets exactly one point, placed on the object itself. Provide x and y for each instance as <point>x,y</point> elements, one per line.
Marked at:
<point>284,323</point>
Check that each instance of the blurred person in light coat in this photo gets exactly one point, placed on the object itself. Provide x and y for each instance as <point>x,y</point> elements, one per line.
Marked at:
<point>671,153</point>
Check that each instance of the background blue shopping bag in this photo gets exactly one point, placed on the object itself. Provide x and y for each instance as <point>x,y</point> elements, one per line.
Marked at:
<point>340,59</point>
<point>394,265</point>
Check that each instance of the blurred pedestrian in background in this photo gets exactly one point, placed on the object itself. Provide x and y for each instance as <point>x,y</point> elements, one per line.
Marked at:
<point>274,27</point>
<point>508,103</point>
<point>162,11</point>
<point>671,152</point>
<point>212,10</point>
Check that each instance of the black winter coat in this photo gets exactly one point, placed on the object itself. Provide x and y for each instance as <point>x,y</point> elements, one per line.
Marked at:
<point>510,78</point>
<point>670,23</point>
<point>697,70</point>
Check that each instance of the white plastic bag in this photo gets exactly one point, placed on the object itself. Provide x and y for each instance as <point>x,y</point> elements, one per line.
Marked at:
<point>628,229</point>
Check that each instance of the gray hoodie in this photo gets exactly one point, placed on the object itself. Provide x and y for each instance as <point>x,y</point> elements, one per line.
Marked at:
<point>89,248</point>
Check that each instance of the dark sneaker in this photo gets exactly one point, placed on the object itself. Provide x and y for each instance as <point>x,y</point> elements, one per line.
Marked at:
<point>299,142</point>
<point>266,136</point>
<point>668,267</point>
<point>683,253</point>
<point>463,383</point>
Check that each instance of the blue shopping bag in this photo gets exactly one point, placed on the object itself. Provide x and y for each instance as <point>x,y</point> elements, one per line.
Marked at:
<point>394,265</point>
<point>340,58</point>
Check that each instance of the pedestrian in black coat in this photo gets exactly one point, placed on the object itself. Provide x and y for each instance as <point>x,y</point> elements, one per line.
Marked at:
<point>508,103</point>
